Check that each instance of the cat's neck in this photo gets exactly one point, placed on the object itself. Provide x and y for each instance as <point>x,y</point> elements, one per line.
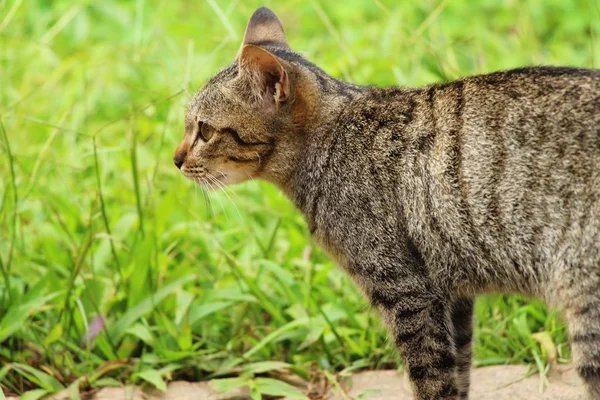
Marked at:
<point>319,135</point>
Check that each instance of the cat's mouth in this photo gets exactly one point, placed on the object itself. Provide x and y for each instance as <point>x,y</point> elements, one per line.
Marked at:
<point>213,180</point>
<point>205,178</point>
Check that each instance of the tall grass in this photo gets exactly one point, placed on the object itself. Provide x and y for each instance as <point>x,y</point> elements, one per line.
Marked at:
<point>114,268</point>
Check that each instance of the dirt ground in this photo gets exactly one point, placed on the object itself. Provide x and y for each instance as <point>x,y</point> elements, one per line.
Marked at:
<point>489,383</point>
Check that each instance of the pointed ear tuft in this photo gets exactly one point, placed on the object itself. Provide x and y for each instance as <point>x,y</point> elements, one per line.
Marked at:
<point>265,28</point>
<point>272,76</point>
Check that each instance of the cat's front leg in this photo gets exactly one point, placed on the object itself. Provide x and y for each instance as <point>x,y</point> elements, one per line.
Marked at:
<point>421,324</point>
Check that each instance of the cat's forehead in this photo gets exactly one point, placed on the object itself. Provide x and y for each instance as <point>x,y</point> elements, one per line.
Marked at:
<point>225,102</point>
<point>211,94</point>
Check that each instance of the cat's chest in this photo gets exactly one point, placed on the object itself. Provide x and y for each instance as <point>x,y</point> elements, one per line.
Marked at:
<point>334,249</point>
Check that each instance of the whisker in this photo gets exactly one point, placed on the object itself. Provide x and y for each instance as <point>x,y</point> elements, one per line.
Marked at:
<point>224,189</point>
<point>208,196</point>
<point>215,181</point>
<point>200,181</point>
<point>222,186</point>
<point>196,188</point>
<point>228,188</point>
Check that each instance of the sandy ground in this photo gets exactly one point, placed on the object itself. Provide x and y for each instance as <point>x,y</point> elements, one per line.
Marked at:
<point>489,383</point>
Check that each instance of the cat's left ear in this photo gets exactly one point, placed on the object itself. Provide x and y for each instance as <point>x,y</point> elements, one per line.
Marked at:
<point>273,82</point>
<point>265,29</point>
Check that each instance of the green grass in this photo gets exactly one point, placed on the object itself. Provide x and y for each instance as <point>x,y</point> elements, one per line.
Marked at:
<point>96,221</point>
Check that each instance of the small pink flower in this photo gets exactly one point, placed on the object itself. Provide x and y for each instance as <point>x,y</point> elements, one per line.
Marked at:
<point>94,329</point>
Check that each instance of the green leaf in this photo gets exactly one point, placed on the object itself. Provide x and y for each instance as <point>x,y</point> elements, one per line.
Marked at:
<point>265,366</point>
<point>117,330</point>
<point>153,377</point>
<point>184,299</point>
<point>17,315</point>
<point>275,334</point>
<point>54,334</point>
<point>96,294</point>
<point>169,368</point>
<point>73,389</point>
<point>34,394</point>
<point>185,337</point>
<point>142,332</point>
<point>231,293</point>
<point>255,393</point>
<point>523,328</point>
<point>104,345</point>
<point>262,297</point>
<point>127,347</point>
<point>274,387</point>
<point>313,335</point>
<point>198,312</point>
<point>106,382</point>
<point>40,378</point>
<point>228,384</point>
<point>141,264</point>
<point>3,371</point>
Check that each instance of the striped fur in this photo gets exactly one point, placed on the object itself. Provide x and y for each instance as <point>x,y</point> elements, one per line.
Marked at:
<point>429,196</point>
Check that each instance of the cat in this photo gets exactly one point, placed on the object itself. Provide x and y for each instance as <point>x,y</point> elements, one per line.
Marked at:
<point>426,197</point>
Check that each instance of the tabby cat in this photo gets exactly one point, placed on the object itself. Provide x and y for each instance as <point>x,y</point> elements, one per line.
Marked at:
<point>426,197</point>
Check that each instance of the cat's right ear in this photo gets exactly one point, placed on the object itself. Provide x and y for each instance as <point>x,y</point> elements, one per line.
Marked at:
<point>269,77</point>
<point>264,28</point>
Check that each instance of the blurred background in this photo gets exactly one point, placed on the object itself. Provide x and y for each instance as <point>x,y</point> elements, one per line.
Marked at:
<point>114,268</point>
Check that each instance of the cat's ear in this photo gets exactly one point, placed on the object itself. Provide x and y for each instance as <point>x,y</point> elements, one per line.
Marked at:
<point>272,82</point>
<point>264,28</point>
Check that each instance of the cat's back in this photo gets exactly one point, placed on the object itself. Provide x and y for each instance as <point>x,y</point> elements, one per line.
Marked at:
<point>534,130</point>
<point>526,164</point>
<point>539,112</point>
<point>501,169</point>
<point>531,130</point>
<point>564,97</point>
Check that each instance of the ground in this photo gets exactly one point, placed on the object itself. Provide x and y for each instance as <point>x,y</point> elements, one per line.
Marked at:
<point>510,382</point>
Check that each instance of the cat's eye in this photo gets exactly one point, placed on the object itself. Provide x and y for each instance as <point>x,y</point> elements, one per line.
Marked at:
<point>206,131</point>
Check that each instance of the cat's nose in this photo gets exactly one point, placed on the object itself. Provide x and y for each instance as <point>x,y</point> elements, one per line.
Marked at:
<point>180,153</point>
<point>178,160</point>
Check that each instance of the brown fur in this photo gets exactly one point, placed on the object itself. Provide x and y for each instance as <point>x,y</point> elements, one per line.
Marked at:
<point>426,196</point>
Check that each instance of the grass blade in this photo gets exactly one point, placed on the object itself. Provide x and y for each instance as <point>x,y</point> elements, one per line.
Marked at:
<point>117,330</point>
<point>103,209</point>
<point>6,266</point>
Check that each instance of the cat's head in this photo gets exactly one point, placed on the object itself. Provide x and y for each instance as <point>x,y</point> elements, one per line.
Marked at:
<point>247,121</point>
